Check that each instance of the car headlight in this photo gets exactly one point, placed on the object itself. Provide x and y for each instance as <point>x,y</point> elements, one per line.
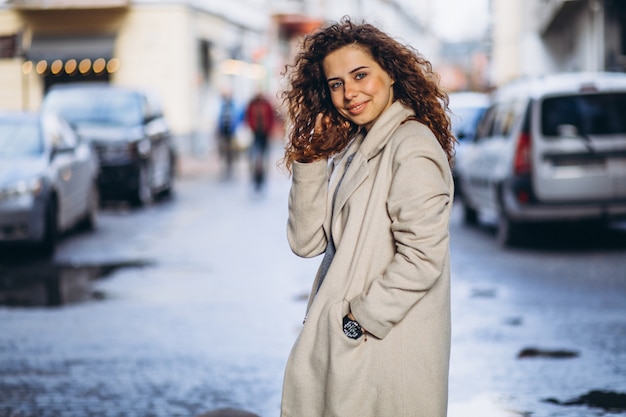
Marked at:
<point>27,187</point>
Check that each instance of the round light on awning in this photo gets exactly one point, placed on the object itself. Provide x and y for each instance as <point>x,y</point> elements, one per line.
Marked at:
<point>27,67</point>
<point>113,65</point>
<point>99,65</point>
<point>70,66</point>
<point>84,66</point>
<point>41,67</point>
<point>56,67</point>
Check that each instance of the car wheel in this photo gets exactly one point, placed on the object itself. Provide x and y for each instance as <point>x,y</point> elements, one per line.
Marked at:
<point>470,215</point>
<point>51,229</point>
<point>143,193</point>
<point>510,232</point>
<point>168,189</point>
<point>91,217</point>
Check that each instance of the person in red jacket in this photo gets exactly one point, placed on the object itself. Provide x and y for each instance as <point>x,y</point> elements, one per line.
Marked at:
<point>260,116</point>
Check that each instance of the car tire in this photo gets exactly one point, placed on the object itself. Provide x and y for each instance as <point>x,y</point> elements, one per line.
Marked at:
<point>470,215</point>
<point>143,195</point>
<point>510,233</point>
<point>48,244</point>
<point>168,189</point>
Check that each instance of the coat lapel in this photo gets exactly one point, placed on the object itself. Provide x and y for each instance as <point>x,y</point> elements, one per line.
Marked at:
<point>357,172</point>
<point>370,146</point>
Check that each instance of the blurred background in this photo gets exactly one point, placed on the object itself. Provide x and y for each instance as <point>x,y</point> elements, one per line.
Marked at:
<point>183,297</point>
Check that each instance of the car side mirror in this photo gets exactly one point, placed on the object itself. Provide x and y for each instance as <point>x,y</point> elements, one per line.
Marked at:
<point>61,149</point>
<point>150,117</point>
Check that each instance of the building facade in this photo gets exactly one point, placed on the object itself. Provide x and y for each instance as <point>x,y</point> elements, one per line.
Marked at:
<point>185,53</point>
<point>534,37</point>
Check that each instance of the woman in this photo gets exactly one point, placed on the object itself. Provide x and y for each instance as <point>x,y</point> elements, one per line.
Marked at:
<point>369,152</point>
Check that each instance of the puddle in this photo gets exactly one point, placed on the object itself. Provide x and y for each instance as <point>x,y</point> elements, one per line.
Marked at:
<point>37,283</point>
<point>484,293</point>
<point>607,400</point>
<point>514,321</point>
<point>547,353</point>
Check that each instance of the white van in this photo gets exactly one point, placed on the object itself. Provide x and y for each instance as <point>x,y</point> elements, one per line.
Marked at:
<point>548,149</point>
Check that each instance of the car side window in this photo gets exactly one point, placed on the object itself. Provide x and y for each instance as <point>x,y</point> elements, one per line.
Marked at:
<point>499,124</point>
<point>506,117</point>
<point>486,124</point>
<point>68,136</point>
<point>60,135</point>
<point>151,108</point>
<point>146,109</point>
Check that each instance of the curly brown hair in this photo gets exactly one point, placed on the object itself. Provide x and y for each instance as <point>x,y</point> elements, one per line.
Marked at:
<point>416,86</point>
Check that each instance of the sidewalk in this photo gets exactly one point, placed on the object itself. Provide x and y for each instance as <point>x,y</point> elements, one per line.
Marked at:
<point>209,165</point>
<point>190,166</point>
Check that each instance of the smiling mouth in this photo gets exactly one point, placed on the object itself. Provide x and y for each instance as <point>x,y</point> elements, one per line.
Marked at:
<point>357,108</point>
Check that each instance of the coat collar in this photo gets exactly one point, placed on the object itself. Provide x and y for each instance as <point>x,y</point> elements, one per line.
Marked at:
<point>366,147</point>
<point>378,136</point>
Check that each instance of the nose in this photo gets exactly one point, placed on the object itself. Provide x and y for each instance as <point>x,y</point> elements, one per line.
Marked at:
<point>350,90</point>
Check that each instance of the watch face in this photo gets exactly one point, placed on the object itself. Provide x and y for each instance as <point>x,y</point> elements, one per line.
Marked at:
<point>352,328</point>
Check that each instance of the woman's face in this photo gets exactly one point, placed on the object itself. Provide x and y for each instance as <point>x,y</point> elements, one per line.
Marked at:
<point>359,88</point>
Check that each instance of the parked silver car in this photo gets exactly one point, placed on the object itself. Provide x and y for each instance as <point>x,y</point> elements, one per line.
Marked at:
<point>548,149</point>
<point>129,132</point>
<point>48,180</point>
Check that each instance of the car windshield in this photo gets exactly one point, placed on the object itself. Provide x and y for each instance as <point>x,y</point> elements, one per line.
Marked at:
<point>19,138</point>
<point>85,107</point>
<point>591,114</point>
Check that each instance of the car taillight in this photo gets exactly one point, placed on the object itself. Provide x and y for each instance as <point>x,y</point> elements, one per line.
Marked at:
<point>521,162</point>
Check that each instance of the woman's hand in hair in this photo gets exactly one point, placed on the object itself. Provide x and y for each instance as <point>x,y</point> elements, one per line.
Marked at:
<point>319,144</point>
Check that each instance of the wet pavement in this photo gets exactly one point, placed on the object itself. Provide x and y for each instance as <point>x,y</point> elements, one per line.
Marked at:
<point>192,305</point>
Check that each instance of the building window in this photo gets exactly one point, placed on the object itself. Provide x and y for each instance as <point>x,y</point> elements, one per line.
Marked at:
<point>206,60</point>
<point>9,46</point>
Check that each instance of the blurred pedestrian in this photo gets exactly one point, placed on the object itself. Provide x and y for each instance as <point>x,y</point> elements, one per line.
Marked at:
<point>260,116</point>
<point>228,120</point>
<point>369,153</point>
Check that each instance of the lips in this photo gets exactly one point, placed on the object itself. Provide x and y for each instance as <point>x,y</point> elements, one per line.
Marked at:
<point>357,108</point>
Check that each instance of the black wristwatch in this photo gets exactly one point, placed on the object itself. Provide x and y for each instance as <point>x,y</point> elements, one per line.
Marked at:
<point>352,328</point>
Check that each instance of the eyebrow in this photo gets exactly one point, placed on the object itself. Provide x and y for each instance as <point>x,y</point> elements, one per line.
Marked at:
<point>351,72</point>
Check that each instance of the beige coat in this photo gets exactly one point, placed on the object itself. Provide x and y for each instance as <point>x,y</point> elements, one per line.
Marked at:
<point>391,269</point>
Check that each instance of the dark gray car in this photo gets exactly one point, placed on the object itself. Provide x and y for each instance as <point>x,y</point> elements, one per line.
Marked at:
<point>129,132</point>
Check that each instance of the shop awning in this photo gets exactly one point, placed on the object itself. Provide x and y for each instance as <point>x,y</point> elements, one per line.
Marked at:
<point>50,48</point>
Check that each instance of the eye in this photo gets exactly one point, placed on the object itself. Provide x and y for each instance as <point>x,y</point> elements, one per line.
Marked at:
<point>335,85</point>
<point>360,75</point>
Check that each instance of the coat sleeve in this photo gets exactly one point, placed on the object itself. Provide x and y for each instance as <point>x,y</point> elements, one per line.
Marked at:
<point>418,205</point>
<point>307,208</point>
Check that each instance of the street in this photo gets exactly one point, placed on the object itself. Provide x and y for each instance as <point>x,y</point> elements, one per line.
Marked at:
<point>192,305</point>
